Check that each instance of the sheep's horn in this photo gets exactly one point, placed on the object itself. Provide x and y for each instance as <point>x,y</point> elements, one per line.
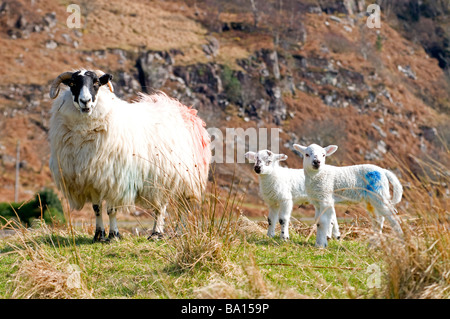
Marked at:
<point>54,89</point>
<point>99,74</point>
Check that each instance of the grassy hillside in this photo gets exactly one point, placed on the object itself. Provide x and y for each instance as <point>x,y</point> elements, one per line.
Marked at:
<point>336,80</point>
<point>214,252</point>
<point>309,68</point>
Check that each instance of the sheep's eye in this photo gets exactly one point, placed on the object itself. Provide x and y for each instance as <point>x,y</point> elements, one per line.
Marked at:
<point>323,155</point>
<point>71,84</point>
<point>307,155</point>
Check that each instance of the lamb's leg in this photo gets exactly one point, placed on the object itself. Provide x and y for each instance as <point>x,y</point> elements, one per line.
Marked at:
<point>335,232</point>
<point>285,216</point>
<point>394,222</point>
<point>379,223</point>
<point>113,228</point>
<point>272,220</point>
<point>99,228</point>
<point>158,226</point>
<point>324,224</point>
<point>383,210</point>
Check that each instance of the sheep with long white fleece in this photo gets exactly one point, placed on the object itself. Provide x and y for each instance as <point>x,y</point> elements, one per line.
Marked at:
<point>104,149</point>
<point>280,188</point>
<point>327,185</point>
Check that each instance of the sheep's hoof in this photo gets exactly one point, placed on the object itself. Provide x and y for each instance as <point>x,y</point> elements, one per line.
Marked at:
<point>100,236</point>
<point>114,236</point>
<point>155,236</point>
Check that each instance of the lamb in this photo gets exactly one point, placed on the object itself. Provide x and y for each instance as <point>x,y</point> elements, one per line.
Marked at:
<point>327,185</point>
<point>280,188</point>
<point>104,149</point>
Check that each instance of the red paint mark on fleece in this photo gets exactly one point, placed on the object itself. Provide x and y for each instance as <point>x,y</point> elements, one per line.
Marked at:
<point>201,137</point>
<point>195,125</point>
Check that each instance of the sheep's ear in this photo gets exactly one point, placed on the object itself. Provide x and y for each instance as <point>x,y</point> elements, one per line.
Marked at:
<point>66,81</point>
<point>300,148</point>
<point>105,78</point>
<point>281,157</point>
<point>251,156</point>
<point>330,149</point>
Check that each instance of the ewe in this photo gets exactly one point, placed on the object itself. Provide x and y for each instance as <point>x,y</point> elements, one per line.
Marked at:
<point>280,188</point>
<point>104,149</point>
<point>327,185</point>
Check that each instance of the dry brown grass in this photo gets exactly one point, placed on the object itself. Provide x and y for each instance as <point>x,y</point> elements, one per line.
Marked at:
<point>418,266</point>
<point>40,274</point>
<point>203,231</point>
<point>252,285</point>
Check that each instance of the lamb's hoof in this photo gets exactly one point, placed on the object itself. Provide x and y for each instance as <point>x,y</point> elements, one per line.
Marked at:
<point>321,244</point>
<point>100,236</point>
<point>114,236</point>
<point>155,236</point>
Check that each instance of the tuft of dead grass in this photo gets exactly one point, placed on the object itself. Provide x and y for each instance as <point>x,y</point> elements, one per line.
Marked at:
<point>205,231</point>
<point>418,266</point>
<point>248,227</point>
<point>40,274</point>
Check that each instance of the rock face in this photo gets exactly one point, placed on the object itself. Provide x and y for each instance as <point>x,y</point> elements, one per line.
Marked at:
<point>154,69</point>
<point>315,88</point>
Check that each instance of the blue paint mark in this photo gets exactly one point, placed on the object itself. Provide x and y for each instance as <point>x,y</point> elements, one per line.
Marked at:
<point>373,181</point>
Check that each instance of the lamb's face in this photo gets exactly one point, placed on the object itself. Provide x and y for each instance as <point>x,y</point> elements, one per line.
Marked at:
<point>314,155</point>
<point>265,161</point>
<point>84,86</point>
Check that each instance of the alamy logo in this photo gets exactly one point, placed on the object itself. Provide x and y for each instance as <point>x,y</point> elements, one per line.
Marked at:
<point>374,20</point>
<point>74,20</point>
<point>74,279</point>
<point>238,141</point>
<point>374,279</point>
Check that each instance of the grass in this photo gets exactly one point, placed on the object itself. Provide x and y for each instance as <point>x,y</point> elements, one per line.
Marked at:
<point>37,264</point>
<point>214,252</point>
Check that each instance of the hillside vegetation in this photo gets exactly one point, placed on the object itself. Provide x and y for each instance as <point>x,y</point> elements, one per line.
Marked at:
<point>312,69</point>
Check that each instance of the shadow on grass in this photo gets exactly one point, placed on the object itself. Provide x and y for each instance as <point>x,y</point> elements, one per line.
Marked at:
<point>276,241</point>
<point>65,241</point>
<point>54,240</point>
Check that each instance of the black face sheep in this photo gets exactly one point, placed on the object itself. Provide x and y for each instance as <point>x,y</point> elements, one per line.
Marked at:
<point>104,149</point>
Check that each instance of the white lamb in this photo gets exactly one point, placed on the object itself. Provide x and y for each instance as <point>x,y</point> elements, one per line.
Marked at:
<point>280,188</point>
<point>104,149</point>
<point>327,185</point>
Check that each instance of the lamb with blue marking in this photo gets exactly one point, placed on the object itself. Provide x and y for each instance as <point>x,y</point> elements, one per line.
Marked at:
<point>280,188</point>
<point>327,185</point>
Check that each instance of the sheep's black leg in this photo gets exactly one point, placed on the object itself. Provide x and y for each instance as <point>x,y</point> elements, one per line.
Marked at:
<point>158,226</point>
<point>99,235</point>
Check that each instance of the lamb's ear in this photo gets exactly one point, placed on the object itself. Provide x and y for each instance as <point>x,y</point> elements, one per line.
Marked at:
<point>281,157</point>
<point>251,156</point>
<point>300,148</point>
<point>330,149</point>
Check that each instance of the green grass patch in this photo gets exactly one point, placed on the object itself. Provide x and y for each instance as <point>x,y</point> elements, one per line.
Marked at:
<point>253,266</point>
